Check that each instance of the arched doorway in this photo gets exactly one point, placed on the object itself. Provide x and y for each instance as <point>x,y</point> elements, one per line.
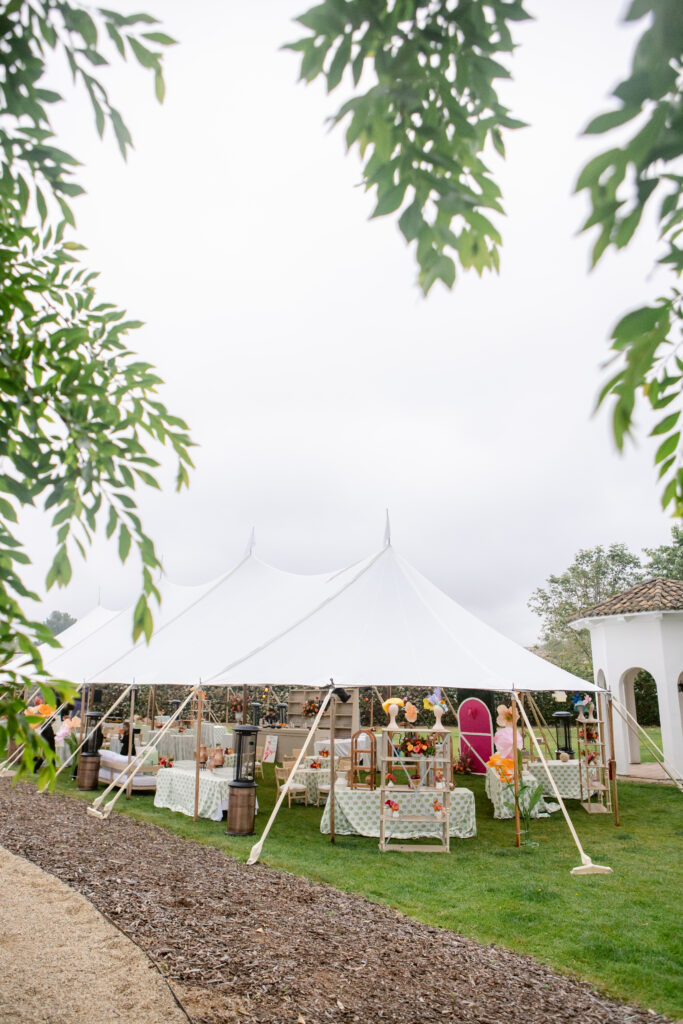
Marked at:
<point>638,692</point>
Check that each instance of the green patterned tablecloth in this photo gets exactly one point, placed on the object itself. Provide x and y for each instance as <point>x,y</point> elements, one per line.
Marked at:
<point>502,796</point>
<point>565,775</point>
<point>175,790</point>
<point>356,812</point>
<point>311,778</point>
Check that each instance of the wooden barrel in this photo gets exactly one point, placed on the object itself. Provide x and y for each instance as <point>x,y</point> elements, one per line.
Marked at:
<point>88,770</point>
<point>241,810</point>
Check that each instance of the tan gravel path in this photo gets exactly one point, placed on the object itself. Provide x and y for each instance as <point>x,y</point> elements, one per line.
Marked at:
<point>64,963</point>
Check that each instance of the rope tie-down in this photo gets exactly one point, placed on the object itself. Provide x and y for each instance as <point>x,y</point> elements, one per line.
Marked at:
<point>128,773</point>
<point>586,867</point>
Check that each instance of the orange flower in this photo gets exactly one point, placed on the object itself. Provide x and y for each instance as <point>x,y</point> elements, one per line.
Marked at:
<point>503,766</point>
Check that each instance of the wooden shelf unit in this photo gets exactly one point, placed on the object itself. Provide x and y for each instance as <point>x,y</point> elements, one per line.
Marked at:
<point>347,716</point>
<point>596,793</point>
<point>440,762</point>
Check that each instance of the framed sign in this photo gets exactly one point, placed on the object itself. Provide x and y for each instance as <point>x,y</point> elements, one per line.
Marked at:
<point>269,750</point>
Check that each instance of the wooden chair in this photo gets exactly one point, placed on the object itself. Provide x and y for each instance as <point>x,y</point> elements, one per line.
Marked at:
<point>296,788</point>
<point>323,790</point>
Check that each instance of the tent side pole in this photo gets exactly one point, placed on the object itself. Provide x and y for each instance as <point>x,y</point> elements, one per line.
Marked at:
<point>131,722</point>
<point>198,742</point>
<point>333,724</point>
<point>612,759</point>
<point>244,706</point>
<point>257,847</point>
<point>515,770</point>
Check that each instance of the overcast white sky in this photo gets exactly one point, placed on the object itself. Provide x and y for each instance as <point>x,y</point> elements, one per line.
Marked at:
<point>319,385</point>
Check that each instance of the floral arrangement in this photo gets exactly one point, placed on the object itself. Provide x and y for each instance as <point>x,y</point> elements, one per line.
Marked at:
<point>410,713</point>
<point>413,745</point>
<point>311,708</point>
<point>390,779</point>
<point>465,763</point>
<point>165,762</point>
<point>315,764</point>
<point>591,756</point>
<point>588,732</point>
<point>438,808</point>
<point>392,805</point>
<point>39,711</point>
<point>503,767</point>
<point>324,753</point>
<point>527,795</point>
<point>235,705</point>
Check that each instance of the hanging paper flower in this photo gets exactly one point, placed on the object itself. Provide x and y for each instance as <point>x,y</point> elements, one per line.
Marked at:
<point>503,767</point>
<point>398,701</point>
<point>411,713</point>
<point>505,715</point>
<point>503,741</point>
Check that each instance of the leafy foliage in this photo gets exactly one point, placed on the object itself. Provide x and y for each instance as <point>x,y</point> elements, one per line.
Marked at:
<point>57,622</point>
<point>594,575</point>
<point>620,182</point>
<point>667,559</point>
<point>78,410</point>
<point>429,113</point>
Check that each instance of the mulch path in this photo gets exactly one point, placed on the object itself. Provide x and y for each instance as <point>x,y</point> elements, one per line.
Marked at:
<point>257,946</point>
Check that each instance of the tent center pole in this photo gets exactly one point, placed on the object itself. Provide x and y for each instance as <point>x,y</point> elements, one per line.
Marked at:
<point>612,759</point>
<point>131,721</point>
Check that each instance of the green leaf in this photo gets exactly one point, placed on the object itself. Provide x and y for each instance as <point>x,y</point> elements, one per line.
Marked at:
<point>640,321</point>
<point>665,425</point>
<point>124,542</point>
<point>605,122</point>
<point>389,201</point>
<point>667,447</point>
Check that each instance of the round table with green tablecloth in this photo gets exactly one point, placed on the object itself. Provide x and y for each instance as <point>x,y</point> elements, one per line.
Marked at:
<point>565,776</point>
<point>175,790</point>
<point>357,812</point>
<point>502,796</point>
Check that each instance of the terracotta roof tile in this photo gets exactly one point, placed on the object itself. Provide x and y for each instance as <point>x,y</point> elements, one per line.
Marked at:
<point>655,595</point>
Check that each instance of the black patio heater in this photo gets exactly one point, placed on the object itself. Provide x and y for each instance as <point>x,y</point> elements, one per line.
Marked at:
<point>89,757</point>
<point>255,712</point>
<point>282,712</point>
<point>563,723</point>
<point>242,800</point>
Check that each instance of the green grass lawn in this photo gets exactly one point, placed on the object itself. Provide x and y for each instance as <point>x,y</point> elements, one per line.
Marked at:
<point>621,931</point>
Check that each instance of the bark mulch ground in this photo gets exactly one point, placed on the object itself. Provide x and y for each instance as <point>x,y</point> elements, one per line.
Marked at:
<point>256,946</point>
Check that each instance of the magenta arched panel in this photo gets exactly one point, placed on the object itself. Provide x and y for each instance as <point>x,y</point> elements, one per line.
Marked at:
<point>476,733</point>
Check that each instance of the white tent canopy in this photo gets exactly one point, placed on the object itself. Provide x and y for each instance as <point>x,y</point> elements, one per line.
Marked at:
<point>387,625</point>
<point>379,622</point>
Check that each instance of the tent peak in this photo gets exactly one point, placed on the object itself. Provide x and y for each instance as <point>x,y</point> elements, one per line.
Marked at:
<point>251,546</point>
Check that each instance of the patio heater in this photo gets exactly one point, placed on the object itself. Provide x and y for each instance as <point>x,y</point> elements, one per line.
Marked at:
<point>89,757</point>
<point>282,712</point>
<point>255,712</point>
<point>242,800</point>
<point>563,723</point>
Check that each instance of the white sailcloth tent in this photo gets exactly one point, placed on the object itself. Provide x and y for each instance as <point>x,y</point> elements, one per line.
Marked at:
<point>384,624</point>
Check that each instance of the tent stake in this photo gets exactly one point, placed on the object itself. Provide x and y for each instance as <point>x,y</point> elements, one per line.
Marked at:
<point>198,743</point>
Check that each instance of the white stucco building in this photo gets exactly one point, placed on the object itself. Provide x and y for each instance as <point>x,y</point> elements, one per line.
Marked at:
<point>641,628</point>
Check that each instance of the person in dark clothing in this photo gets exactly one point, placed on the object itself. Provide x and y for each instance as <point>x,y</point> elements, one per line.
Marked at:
<point>123,737</point>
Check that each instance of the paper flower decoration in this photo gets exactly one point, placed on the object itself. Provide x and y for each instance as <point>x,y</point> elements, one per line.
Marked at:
<point>503,741</point>
<point>398,701</point>
<point>560,696</point>
<point>503,767</point>
<point>411,713</point>
<point>505,714</point>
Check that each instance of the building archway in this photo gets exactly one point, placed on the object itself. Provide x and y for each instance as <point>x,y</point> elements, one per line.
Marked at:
<point>641,629</point>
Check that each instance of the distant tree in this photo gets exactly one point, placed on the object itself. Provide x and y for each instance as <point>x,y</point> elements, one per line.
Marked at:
<point>57,622</point>
<point>667,559</point>
<point>594,575</point>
